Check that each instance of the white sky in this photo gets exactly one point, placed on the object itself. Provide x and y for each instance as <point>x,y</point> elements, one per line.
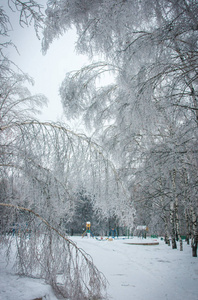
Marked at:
<point>47,71</point>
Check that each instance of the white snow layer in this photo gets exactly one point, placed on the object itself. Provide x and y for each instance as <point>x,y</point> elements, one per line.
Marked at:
<point>134,272</point>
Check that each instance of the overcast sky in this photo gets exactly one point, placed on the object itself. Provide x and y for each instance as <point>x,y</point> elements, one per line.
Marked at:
<point>48,71</point>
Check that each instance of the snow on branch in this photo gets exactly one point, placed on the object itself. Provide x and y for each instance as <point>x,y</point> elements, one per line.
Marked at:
<point>44,252</point>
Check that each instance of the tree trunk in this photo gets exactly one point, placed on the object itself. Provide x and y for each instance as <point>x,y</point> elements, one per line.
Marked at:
<point>177,225</point>
<point>172,213</point>
<point>186,201</point>
<point>165,218</point>
<point>166,236</point>
<point>172,221</point>
<point>194,240</point>
<point>188,234</point>
<point>194,247</point>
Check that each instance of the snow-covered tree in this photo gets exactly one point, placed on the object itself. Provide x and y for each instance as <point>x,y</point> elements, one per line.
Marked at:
<point>150,49</point>
<point>43,166</point>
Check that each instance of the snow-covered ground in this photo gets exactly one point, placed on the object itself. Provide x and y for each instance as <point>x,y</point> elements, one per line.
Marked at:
<point>133,271</point>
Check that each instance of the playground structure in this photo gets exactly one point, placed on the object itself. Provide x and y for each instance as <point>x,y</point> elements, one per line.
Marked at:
<point>113,232</point>
<point>88,230</point>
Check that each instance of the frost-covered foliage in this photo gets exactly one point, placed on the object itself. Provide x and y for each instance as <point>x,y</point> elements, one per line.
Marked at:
<point>44,252</point>
<point>31,13</point>
<point>43,167</point>
<point>150,43</point>
<point>51,164</point>
<point>147,118</point>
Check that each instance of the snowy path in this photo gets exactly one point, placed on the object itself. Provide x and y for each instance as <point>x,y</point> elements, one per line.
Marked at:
<point>133,272</point>
<point>145,272</point>
<point>13,287</point>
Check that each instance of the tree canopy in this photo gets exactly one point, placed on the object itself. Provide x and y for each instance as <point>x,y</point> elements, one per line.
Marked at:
<point>147,118</point>
<point>142,155</point>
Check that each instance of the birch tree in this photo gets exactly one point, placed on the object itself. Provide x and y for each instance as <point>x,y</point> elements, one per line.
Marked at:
<point>43,167</point>
<point>151,49</point>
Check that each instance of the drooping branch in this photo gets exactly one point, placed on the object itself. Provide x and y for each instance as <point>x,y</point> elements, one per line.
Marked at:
<point>30,11</point>
<point>87,280</point>
<point>67,131</point>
